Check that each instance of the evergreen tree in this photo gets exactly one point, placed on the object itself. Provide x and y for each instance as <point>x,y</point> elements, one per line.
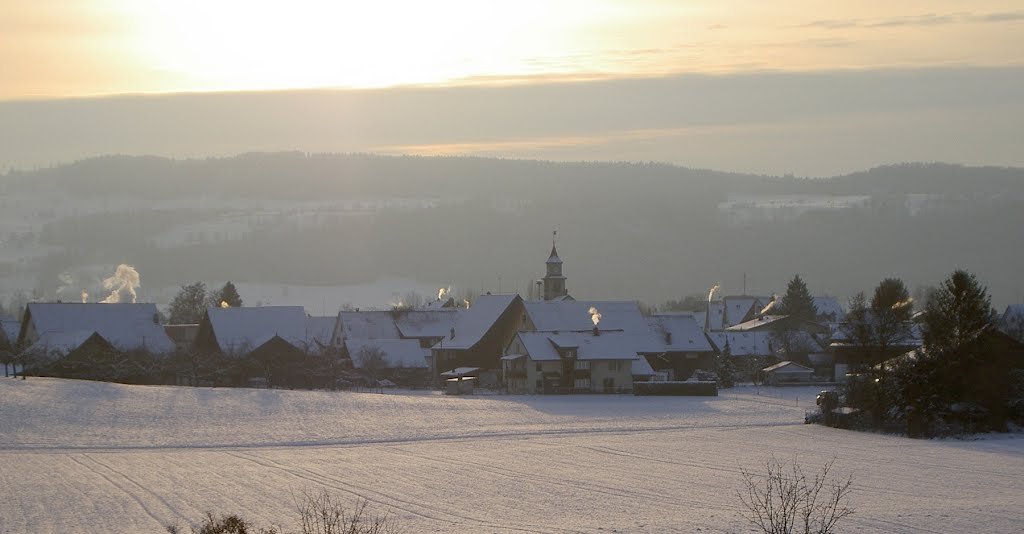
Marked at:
<point>798,301</point>
<point>957,313</point>
<point>230,295</point>
<point>189,305</point>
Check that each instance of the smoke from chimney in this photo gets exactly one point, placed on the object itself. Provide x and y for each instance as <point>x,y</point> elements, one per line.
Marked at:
<point>444,292</point>
<point>771,304</point>
<point>903,304</point>
<point>595,316</point>
<point>224,304</point>
<point>85,296</point>
<point>711,294</point>
<point>125,279</point>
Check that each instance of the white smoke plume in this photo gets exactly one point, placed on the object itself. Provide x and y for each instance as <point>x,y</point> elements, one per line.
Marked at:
<point>85,296</point>
<point>65,280</point>
<point>595,315</point>
<point>466,303</point>
<point>903,304</point>
<point>444,292</point>
<point>224,304</point>
<point>125,279</point>
<point>711,294</point>
<point>771,304</point>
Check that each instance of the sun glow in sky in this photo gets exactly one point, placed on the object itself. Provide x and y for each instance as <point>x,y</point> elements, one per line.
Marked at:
<point>80,47</point>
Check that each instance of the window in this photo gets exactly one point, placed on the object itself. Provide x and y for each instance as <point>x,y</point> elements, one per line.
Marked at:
<point>613,365</point>
<point>582,365</point>
<point>582,383</point>
<point>540,367</point>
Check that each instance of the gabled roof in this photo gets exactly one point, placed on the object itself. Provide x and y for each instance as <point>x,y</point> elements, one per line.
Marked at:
<point>474,323</point>
<point>738,307</point>
<point>1012,320</point>
<point>125,326</point>
<point>398,352</point>
<point>744,343</point>
<point>9,327</point>
<point>244,329</point>
<point>829,309</point>
<point>788,367</point>
<point>543,346</point>
<point>715,316</point>
<point>679,332</point>
<point>320,330</point>
<point>367,325</point>
<point>428,323</point>
<point>574,316</point>
<point>757,323</point>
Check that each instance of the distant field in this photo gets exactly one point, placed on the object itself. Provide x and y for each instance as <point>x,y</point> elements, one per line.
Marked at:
<point>92,457</point>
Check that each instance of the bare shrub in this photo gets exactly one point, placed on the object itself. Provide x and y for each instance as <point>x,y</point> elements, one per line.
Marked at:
<point>786,501</point>
<point>323,513</point>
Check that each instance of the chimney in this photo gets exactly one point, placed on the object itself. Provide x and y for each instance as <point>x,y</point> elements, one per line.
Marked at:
<point>453,333</point>
<point>668,338</point>
<point>597,331</point>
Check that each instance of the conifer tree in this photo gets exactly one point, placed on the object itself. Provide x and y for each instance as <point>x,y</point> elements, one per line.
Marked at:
<point>798,301</point>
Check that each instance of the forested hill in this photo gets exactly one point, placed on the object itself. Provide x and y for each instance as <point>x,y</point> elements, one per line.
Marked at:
<point>627,230</point>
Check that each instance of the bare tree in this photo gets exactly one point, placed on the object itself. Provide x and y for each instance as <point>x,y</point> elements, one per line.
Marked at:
<point>786,501</point>
<point>373,361</point>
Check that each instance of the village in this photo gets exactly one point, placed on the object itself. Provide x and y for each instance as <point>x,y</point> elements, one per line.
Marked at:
<point>498,342</point>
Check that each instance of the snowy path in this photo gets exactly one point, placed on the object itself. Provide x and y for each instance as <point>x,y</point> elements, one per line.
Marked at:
<point>88,457</point>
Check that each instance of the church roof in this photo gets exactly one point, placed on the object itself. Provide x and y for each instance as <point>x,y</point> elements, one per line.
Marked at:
<point>553,258</point>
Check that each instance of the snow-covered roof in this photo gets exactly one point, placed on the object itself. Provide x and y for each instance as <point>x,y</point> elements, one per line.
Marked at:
<point>641,367</point>
<point>829,309</point>
<point>715,316</point>
<point>756,323</point>
<point>244,329</point>
<point>679,332</point>
<point>744,343</point>
<point>574,315</point>
<point>125,326</point>
<point>460,372</point>
<point>398,352</point>
<point>9,327</point>
<point>543,346</point>
<point>474,323</point>
<point>61,343</point>
<point>367,325</point>
<point>320,329</point>
<point>914,335</point>
<point>436,322</point>
<point>1012,321</point>
<point>788,367</point>
<point>737,307</point>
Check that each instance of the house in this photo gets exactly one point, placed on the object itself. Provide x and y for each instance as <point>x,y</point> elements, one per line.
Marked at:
<point>1012,322</point>
<point>272,344</point>
<point>829,310</point>
<point>680,346</point>
<point>592,361</point>
<point>57,329</point>
<point>852,353</point>
<point>478,337</point>
<point>786,372</point>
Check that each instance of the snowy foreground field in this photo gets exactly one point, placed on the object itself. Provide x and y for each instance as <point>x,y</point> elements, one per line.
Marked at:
<point>92,457</point>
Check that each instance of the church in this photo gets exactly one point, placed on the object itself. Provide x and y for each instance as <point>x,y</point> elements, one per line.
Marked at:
<point>553,283</point>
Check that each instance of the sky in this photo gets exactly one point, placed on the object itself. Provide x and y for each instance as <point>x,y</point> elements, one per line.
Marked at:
<point>117,68</point>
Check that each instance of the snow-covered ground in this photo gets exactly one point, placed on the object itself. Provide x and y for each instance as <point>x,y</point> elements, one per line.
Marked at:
<point>93,457</point>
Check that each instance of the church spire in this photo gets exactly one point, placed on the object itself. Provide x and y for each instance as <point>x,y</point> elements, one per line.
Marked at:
<point>553,258</point>
<point>554,280</point>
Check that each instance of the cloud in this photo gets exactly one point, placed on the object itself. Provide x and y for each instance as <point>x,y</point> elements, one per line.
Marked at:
<point>925,20</point>
<point>760,121</point>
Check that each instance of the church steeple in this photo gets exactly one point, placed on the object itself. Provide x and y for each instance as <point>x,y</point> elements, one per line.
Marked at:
<point>554,281</point>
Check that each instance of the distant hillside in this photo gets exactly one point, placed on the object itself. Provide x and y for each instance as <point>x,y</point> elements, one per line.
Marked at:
<point>626,230</point>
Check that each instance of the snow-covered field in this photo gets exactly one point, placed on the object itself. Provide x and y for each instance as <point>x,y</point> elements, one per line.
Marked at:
<point>93,457</point>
